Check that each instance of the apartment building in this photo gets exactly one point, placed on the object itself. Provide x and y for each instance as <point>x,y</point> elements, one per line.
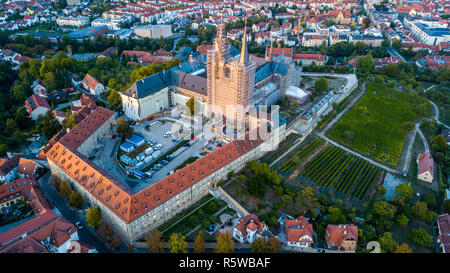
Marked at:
<point>78,21</point>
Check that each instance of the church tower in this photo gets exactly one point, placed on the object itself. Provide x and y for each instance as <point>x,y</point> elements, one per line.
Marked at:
<point>230,81</point>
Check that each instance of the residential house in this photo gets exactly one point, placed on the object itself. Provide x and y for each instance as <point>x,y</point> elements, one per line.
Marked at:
<point>93,85</point>
<point>425,170</point>
<point>8,168</point>
<point>37,106</point>
<point>443,224</point>
<point>299,232</point>
<point>250,228</point>
<point>37,86</point>
<point>342,237</point>
<point>27,167</point>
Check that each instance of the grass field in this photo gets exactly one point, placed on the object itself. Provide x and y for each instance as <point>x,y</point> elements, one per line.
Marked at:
<point>375,126</point>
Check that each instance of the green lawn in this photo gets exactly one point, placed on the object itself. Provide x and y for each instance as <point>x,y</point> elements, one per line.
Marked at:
<point>375,125</point>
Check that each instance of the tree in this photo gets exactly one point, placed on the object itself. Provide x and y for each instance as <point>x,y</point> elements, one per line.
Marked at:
<point>19,93</point>
<point>116,241</point>
<point>114,101</point>
<point>335,215</point>
<point>93,217</point>
<point>191,105</point>
<point>123,128</point>
<point>402,220</point>
<point>321,85</point>
<point>11,126</point>
<point>396,44</point>
<point>177,243</point>
<point>403,248</point>
<point>387,243</point>
<point>255,186</point>
<point>384,209</point>
<point>447,206</point>
<point>76,200</point>
<point>382,190</point>
<point>70,120</point>
<point>65,189</point>
<point>385,43</point>
<point>51,125</point>
<point>365,66</point>
<point>404,191</point>
<point>409,126</point>
<point>225,243</point>
<point>306,201</point>
<point>49,81</point>
<point>3,149</point>
<point>273,245</point>
<point>258,246</point>
<point>420,211</point>
<point>421,237</point>
<point>199,242</point>
<point>153,240</point>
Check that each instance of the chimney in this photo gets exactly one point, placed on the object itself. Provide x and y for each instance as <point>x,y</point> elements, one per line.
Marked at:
<point>68,130</point>
<point>9,154</point>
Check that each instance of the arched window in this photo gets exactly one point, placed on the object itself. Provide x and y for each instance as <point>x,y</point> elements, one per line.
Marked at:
<point>227,72</point>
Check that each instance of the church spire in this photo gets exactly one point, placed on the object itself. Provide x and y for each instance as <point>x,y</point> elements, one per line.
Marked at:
<point>221,43</point>
<point>244,52</point>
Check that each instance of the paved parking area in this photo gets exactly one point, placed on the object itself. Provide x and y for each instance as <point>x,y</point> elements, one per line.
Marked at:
<point>106,156</point>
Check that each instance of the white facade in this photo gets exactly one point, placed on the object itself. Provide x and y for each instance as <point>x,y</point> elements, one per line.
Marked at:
<point>141,108</point>
<point>39,111</point>
<point>73,21</point>
<point>154,31</point>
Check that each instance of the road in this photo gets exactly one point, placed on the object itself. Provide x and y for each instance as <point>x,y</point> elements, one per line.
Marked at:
<point>436,114</point>
<point>70,214</point>
<point>393,52</point>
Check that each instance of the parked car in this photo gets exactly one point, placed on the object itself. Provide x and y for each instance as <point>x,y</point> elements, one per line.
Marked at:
<point>169,157</point>
<point>164,162</point>
<point>159,166</point>
<point>153,142</point>
<point>158,147</point>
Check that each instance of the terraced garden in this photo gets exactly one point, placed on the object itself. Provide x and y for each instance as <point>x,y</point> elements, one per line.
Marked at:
<point>336,170</point>
<point>300,155</point>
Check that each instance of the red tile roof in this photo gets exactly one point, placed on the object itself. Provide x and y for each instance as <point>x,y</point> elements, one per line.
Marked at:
<point>340,233</point>
<point>26,167</point>
<point>120,199</point>
<point>25,245</point>
<point>26,227</point>
<point>90,81</point>
<point>425,163</point>
<point>306,56</point>
<point>444,228</point>
<point>297,229</point>
<point>58,230</point>
<point>85,128</point>
<point>250,222</point>
<point>8,164</point>
<point>34,102</point>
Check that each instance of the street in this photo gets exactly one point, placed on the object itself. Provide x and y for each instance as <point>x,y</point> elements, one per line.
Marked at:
<point>70,214</point>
